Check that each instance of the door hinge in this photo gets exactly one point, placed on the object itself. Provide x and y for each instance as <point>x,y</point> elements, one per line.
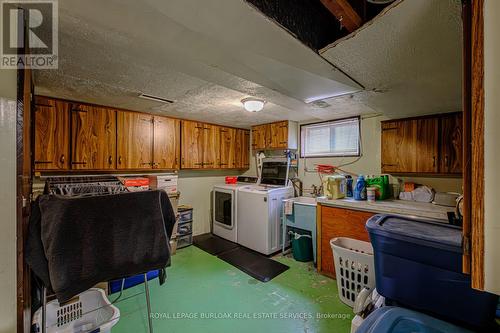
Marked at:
<point>466,245</point>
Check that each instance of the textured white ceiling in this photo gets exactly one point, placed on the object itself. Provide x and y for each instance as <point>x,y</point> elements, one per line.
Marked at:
<point>209,55</point>
<point>412,53</point>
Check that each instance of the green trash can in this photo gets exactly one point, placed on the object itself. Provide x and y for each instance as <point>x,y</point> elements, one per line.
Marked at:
<point>301,246</point>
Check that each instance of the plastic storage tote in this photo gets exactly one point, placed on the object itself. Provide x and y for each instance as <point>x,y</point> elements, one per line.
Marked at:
<point>418,263</point>
<point>353,267</point>
<point>91,312</point>
<point>399,320</point>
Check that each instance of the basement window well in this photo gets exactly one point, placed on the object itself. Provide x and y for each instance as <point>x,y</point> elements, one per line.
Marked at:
<point>331,138</point>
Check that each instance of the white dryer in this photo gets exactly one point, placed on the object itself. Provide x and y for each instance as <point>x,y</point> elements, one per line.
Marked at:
<point>224,208</point>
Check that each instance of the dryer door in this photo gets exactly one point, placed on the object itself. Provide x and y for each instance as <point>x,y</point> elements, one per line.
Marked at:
<point>223,208</point>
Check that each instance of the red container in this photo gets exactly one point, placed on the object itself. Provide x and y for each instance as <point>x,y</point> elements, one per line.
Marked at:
<point>231,179</point>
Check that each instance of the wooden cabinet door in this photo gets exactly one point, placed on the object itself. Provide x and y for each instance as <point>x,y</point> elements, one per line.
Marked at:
<point>51,134</point>
<point>166,143</point>
<point>451,144</point>
<point>339,222</point>
<point>279,135</point>
<point>93,138</point>
<point>211,146</point>
<point>192,145</point>
<point>245,150</point>
<point>260,137</point>
<point>427,145</point>
<point>228,148</point>
<point>135,140</point>
<point>399,146</point>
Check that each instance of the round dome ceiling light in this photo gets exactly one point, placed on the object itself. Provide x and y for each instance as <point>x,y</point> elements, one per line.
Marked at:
<point>253,104</point>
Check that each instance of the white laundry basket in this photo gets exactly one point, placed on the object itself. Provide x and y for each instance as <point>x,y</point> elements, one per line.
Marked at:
<point>354,267</point>
<point>91,310</point>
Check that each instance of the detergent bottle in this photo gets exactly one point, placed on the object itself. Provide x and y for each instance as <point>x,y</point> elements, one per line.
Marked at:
<point>360,189</point>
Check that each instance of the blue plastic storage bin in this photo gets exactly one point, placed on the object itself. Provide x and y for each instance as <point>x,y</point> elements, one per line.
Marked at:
<point>399,320</point>
<point>115,286</point>
<point>418,264</point>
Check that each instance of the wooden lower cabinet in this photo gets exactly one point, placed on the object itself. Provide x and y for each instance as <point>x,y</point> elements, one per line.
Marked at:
<point>338,222</point>
<point>93,138</point>
<point>135,146</point>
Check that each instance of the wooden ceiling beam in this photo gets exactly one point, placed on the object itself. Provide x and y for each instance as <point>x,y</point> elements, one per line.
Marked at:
<point>344,12</point>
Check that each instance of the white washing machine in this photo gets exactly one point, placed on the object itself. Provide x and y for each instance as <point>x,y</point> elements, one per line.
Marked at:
<point>259,217</point>
<point>260,208</point>
<point>224,208</point>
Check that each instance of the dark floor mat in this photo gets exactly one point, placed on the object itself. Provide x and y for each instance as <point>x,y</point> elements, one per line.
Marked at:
<point>254,264</point>
<point>213,244</point>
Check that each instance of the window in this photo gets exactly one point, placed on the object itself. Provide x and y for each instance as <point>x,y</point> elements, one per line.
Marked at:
<point>332,138</point>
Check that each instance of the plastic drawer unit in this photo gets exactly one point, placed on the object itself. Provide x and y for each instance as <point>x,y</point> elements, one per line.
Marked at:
<point>418,264</point>
<point>398,320</point>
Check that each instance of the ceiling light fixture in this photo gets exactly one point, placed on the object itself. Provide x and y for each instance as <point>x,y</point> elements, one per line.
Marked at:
<point>253,104</point>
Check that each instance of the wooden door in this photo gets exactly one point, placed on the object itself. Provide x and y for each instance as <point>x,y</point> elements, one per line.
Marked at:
<point>93,138</point>
<point>279,135</point>
<point>399,146</point>
<point>211,146</point>
<point>427,145</point>
<point>245,150</point>
<point>166,143</point>
<point>192,145</point>
<point>135,140</point>
<point>51,134</point>
<point>451,144</point>
<point>339,222</point>
<point>228,148</point>
<point>260,137</point>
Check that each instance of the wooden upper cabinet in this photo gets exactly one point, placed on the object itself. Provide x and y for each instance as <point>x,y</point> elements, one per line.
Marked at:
<point>211,146</point>
<point>259,137</point>
<point>135,146</point>
<point>93,137</point>
<point>51,134</point>
<point>451,143</point>
<point>192,145</point>
<point>229,145</point>
<point>398,146</point>
<point>427,145</point>
<point>278,135</point>
<point>245,149</point>
<point>166,149</point>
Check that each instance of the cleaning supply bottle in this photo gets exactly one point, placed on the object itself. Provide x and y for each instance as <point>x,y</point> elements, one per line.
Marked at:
<point>349,180</point>
<point>360,189</point>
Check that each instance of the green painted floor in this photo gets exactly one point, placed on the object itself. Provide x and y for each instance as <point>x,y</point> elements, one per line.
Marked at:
<point>205,294</point>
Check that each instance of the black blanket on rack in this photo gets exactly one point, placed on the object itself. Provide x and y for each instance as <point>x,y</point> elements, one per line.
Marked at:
<point>77,242</point>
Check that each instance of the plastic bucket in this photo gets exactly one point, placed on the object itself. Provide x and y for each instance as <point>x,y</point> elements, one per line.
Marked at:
<point>302,247</point>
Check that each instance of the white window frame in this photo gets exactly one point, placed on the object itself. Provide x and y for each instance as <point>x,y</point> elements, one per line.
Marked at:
<point>331,154</point>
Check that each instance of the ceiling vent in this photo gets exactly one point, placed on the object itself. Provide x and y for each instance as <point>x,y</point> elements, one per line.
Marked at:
<point>155,98</point>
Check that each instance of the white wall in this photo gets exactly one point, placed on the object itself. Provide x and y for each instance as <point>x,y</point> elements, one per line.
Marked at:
<point>368,163</point>
<point>491,146</point>
<point>7,201</point>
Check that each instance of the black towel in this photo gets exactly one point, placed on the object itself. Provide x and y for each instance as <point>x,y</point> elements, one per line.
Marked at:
<point>92,239</point>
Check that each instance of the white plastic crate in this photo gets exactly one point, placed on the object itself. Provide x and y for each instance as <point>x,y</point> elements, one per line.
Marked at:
<point>354,267</point>
<point>90,311</point>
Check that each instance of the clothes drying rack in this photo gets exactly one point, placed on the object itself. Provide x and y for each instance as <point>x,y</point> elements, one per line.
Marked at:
<point>89,186</point>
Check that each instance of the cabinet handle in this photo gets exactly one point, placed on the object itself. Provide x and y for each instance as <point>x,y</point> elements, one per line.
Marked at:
<point>147,163</point>
<point>208,163</point>
<point>78,163</point>
<point>198,164</point>
<point>76,110</point>
<point>433,161</point>
<point>224,164</point>
<point>43,162</point>
<point>110,160</point>
<point>385,164</point>
<point>62,158</point>
<point>119,160</point>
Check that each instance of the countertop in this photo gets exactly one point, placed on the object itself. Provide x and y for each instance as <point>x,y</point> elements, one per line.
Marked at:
<point>399,207</point>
